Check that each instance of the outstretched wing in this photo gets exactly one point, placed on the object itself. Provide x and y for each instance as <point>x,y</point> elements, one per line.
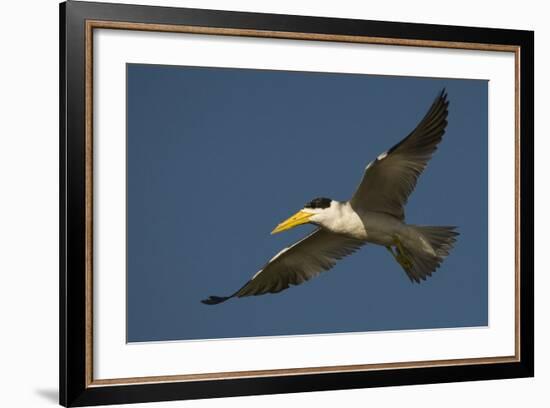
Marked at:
<point>391,177</point>
<point>307,258</point>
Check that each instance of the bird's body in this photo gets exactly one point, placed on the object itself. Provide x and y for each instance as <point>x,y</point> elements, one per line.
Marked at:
<point>370,226</point>
<point>375,214</point>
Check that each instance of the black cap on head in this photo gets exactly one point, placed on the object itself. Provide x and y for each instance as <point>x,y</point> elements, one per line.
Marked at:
<point>321,202</point>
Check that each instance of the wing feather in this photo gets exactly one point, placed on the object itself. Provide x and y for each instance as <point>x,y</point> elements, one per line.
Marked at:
<point>390,179</point>
<point>307,258</point>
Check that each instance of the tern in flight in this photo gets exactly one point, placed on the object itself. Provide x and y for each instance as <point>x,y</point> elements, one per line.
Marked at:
<point>375,214</point>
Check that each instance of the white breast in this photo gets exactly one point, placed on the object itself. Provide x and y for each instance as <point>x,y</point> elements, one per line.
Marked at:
<point>341,219</point>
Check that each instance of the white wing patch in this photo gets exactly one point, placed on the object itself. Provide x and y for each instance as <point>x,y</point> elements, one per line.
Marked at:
<point>382,156</point>
<point>282,251</point>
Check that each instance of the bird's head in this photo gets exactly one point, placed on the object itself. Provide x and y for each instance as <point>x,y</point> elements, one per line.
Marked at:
<point>312,213</point>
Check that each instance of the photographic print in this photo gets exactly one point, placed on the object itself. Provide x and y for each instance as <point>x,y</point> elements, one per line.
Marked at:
<point>386,177</point>
<point>257,204</point>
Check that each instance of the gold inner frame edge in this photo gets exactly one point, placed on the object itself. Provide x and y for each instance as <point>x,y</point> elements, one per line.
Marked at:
<point>93,24</point>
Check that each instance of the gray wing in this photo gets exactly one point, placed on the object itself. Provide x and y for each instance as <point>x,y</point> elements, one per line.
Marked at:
<point>307,258</point>
<point>391,177</point>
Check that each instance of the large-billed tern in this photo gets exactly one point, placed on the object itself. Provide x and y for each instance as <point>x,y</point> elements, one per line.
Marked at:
<point>374,214</point>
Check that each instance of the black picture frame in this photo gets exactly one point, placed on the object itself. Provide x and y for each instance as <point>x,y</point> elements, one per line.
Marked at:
<point>75,387</point>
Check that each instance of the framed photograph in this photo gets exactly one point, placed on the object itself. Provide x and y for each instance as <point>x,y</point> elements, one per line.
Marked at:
<point>256,203</point>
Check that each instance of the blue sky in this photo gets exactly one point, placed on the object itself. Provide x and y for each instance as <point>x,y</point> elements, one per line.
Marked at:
<point>218,157</point>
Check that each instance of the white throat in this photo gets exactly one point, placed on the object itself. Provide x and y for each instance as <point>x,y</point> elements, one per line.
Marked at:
<point>339,218</point>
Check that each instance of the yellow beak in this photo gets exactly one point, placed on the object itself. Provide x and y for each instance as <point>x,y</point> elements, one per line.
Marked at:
<point>301,217</point>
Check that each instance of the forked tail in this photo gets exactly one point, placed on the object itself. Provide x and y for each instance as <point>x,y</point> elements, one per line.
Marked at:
<point>422,249</point>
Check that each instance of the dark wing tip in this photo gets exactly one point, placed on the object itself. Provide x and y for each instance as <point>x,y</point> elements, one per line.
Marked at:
<point>443,97</point>
<point>214,300</point>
